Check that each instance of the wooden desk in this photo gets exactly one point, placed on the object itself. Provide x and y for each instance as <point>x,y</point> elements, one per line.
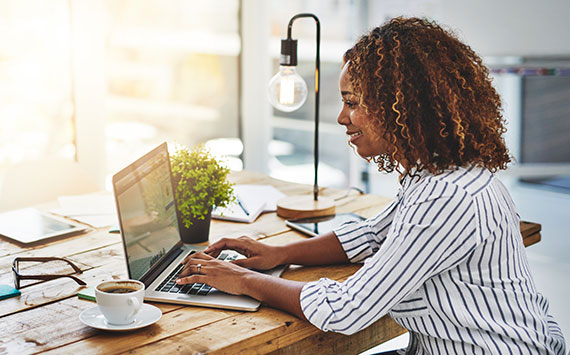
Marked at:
<point>45,318</point>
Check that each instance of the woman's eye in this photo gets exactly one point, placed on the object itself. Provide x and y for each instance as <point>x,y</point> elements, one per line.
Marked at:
<point>350,104</point>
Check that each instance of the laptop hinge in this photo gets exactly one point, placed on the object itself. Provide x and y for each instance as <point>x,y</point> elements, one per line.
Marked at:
<point>162,264</point>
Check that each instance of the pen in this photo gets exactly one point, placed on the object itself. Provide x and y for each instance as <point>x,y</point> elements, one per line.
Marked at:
<point>242,206</point>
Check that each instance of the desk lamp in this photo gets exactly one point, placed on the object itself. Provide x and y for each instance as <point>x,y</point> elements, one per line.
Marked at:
<point>287,92</point>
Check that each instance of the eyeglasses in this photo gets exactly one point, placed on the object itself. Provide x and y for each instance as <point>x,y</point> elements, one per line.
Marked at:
<point>46,277</point>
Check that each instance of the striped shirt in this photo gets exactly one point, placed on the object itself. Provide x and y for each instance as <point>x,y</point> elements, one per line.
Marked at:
<point>446,260</point>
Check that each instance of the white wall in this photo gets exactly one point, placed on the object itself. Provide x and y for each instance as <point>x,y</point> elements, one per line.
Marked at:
<point>493,27</point>
<point>500,31</point>
<point>511,27</point>
<point>255,74</point>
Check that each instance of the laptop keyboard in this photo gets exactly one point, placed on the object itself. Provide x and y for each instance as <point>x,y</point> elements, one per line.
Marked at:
<point>170,286</point>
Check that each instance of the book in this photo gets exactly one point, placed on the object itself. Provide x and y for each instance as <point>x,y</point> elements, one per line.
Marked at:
<point>87,293</point>
<point>250,202</point>
<point>7,291</point>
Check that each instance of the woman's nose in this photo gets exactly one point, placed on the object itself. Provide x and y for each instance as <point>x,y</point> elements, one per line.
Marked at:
<point>343,118</point>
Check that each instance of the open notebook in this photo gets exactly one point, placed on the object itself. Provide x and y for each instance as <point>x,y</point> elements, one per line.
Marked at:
<point>251,201</point>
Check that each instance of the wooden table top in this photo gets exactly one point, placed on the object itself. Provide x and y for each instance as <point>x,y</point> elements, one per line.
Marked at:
<point>45,318</point>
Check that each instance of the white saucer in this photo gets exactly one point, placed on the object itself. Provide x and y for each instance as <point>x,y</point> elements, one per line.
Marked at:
<point>147,315</point>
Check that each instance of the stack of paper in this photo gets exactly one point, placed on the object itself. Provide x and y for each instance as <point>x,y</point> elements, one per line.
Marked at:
<point>94,209</point>
<point>251,201</point>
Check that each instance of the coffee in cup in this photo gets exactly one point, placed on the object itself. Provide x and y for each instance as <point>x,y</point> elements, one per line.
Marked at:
<point>120,289</point>
<point>120,300</point>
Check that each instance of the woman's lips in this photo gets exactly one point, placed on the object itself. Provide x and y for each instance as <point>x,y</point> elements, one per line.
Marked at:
<point>353,136</point>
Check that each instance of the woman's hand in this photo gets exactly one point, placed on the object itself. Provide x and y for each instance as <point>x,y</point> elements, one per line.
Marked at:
<point>258,255</point>
<point>231,278</point>
<point>225,276</point>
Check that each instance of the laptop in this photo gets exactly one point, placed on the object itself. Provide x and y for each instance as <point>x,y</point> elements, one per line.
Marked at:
<point>149,229</point>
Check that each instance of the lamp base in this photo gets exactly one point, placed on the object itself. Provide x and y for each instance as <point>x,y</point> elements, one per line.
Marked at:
<point>304,206</point>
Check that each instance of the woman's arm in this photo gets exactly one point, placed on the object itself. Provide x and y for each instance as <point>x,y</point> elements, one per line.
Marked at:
<point>321,250</point>
<point>353,243</point>
<point>276,292</point>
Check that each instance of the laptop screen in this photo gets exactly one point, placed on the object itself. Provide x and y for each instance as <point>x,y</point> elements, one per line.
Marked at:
<point>145,202</point>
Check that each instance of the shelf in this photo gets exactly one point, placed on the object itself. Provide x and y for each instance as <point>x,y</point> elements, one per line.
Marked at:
<point>331,50</point>
<point>128,106</point>
<point>227,44</point>
<point>305,126</point>
<point>531,71</point>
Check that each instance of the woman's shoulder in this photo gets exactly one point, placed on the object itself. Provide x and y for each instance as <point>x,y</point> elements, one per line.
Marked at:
<point>471,179</point>
<point>454,183</point>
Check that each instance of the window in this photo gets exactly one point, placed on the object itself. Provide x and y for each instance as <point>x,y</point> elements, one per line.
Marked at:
<point>545,109</point>
<point>104,82</point>
<point>172,74</point>
<point>292,146</point>
<point>36,101</point>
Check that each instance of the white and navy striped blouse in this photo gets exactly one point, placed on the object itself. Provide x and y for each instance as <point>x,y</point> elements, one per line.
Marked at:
<point>446,260</point>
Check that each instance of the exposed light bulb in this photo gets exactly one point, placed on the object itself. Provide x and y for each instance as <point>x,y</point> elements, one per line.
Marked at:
<point>287,90</point>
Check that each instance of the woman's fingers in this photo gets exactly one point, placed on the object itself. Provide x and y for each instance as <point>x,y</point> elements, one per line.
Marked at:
<point>218,274</point>
<point>236,244</point>
<point>258,255</point>
<point>202,256</point>
<point>214,252</point>
<point>219,245</point>
<point>192,279</point>
<point>191,269</point>
<point>194,264</point>
<point>193,256</point>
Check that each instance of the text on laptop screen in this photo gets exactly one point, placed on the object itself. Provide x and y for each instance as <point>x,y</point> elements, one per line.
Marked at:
<point>148,214</point>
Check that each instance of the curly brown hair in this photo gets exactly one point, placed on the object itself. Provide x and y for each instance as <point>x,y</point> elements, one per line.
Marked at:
<point>430,97</point>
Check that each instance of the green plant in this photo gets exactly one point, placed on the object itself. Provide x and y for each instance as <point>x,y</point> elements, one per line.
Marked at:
<point>200,183</point>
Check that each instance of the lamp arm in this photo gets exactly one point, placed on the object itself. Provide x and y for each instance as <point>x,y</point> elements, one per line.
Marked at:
<point>317,86</point>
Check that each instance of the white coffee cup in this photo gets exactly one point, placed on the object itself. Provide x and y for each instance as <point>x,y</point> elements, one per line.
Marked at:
<point>120,300</point>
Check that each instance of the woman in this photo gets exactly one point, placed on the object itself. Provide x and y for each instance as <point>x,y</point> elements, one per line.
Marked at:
<point>445,259</point>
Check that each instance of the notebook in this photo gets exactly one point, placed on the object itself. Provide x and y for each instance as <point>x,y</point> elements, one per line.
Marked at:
<point>250,202</point>
<point>149,229</point>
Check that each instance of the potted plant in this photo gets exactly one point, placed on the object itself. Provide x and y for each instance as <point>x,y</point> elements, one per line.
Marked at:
<point>200,183</point>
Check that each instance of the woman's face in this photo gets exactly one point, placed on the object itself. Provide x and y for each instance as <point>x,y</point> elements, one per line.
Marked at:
<point>357,121</point>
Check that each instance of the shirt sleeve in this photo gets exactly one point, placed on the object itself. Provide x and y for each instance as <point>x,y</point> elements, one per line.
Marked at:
<point>362,239</point>
<point>432,232</point>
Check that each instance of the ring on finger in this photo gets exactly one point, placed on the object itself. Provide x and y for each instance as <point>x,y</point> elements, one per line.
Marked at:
<point>199,268</point>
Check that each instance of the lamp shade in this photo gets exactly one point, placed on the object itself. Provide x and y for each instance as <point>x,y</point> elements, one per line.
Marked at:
<point>287,90</point>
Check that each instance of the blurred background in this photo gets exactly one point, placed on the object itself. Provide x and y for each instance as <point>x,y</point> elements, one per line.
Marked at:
<point>86,87</point>
<point>101,82</point>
